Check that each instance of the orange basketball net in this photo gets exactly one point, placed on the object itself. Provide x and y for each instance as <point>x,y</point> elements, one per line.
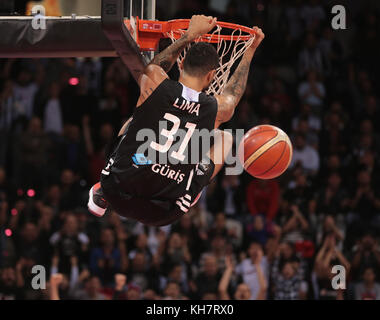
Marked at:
<point>230,47</point>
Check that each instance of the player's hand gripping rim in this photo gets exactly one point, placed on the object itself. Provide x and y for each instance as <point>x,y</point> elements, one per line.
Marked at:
<point>200,25</point>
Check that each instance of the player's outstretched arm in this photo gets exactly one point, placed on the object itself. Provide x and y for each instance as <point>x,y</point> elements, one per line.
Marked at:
<point>199,25</point>
<point>235,87</point>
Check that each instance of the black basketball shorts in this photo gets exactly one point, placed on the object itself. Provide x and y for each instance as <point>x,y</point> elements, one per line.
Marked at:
<point>155,212</point>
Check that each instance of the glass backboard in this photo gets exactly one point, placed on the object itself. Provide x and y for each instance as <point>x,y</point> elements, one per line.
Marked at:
<point>145,10</point>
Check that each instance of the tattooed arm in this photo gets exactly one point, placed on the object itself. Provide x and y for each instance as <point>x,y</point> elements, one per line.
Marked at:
<point>156,71</point>
<point>235,87</point>
<point>198,26</point>
<point>168,57</point>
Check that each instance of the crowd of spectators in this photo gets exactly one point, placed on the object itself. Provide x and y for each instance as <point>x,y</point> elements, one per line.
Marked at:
<point>246,238</point>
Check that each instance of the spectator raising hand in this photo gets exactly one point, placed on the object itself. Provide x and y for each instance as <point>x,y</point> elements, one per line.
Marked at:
<point>225,280</point>
<point>262,294</point>
<point>55,281</point>
<point>254,271</point>
<point>119,292</point>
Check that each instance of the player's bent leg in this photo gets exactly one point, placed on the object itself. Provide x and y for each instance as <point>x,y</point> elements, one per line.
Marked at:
<point>97,205</point>
<point>219,151</point>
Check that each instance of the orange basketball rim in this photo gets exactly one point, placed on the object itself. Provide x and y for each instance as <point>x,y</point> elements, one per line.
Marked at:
<point>148,32</point>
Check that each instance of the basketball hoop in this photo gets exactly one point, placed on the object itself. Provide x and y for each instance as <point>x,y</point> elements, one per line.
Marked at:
<point>230,47</point>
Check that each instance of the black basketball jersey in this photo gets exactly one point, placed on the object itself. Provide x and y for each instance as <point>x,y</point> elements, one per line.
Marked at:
<point>159,154</point>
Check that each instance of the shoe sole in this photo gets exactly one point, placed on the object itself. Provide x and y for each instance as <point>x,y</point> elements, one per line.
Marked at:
<point>93,207</point>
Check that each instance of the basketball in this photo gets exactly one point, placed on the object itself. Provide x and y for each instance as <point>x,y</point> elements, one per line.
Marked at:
<point>265,152</point>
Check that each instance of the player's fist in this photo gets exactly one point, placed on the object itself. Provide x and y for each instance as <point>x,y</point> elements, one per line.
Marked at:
<point>200,25</point>
<point>56,279</point>
<point>120,281</point>
<point>259,256</point>
<point>259,36</point>
<point>120,278</point>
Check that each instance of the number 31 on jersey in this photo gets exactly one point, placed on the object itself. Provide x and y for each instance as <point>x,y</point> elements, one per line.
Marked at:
<point>169,134</point>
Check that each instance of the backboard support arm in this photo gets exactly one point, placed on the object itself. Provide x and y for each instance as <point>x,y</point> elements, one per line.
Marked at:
<point>120,38</point>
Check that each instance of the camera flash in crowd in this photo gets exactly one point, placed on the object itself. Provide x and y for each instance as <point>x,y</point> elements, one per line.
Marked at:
<point>31,193</point>
<point>74,81</point>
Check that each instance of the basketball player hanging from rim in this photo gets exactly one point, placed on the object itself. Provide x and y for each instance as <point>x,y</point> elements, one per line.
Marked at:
<point>159,194</point>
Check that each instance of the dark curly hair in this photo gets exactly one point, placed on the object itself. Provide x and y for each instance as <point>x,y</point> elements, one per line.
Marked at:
<point>200,59</point>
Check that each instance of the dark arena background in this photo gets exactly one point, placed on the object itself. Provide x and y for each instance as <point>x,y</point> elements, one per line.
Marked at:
<point>246,238</point>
